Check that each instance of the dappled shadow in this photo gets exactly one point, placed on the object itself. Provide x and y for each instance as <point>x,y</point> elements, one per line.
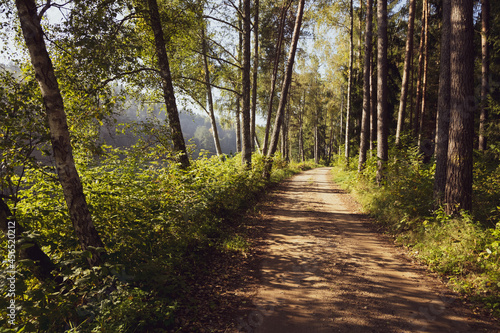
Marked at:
<point>324,271</point>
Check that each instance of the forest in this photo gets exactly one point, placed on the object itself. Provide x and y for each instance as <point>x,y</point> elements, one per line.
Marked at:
<point>134,134</point>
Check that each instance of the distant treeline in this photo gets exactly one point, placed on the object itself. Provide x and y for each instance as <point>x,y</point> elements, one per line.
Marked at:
<point>195,128</point>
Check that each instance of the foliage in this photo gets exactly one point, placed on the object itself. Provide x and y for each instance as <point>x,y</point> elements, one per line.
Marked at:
<point>464,249</point>
<point>22,130</point>
<point>159,224</point>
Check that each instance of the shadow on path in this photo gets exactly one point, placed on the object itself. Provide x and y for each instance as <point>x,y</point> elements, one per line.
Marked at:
<point>325,271</point>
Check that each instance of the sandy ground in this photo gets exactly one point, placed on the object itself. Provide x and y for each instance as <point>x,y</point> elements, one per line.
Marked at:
<point>325,270</point>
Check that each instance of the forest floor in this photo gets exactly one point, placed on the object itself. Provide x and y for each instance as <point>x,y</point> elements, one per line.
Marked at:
<point>318,265</point>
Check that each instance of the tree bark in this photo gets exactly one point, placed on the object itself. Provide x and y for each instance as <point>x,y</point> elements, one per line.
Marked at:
<point>458,190</point>
<point>382,126</point>
<point>373,102</point>
<point>301,125</point>
<point>246,148</point>
<point>416,114</point>
<point>341,118</point>
<point>286,86</point>
<point>443,112</point>
<point>178,142</point>
<point>406,72</point>
<point>424,78</point>
<point>238,124</point>
<point>316,137</point>
<point>211,112</point>
<point>365,118</point>
<point>485,71</point>
<point>349,83</point>
<point>255,69</point>
<point>59,133</point>
<point>239,136</point>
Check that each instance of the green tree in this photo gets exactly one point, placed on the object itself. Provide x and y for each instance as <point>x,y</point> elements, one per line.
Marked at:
<point>29,19</point>
<point>286,86</point>
<point>167,85</point>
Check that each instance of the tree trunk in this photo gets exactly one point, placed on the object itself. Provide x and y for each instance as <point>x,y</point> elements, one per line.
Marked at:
<point>330,144</point>
<point>211,112</point>
<point>281,31</point>
<point>406,72</point>
<point>485,71</point>
<point>286,86</point>
<point>382,128</point>
<point>179,145</point>
<point>341,117</point>
<point>443,112</point>
<point>238,124</point>
<point>284,135</point>
<point>255,69</point>
<point>246,148</point>
<point>416,112</point>
<point>373,102</point>
<point>316,138</point>
<point>349,83</point>
<point>239,97</point>
<point>365,117</point>
<point>59,133</point>
<point>458,190</point>
<point>424,78</point>
<point>301,131</point>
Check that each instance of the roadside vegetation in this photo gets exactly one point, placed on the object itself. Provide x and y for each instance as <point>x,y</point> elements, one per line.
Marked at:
<point>464,249</point>
<point>160,225</point>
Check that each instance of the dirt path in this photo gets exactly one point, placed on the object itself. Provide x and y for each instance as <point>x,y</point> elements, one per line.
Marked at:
<point>325,270</point>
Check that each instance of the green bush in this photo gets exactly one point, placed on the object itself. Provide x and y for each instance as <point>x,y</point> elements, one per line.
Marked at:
<point>466,249</point>
<point>158,222</point>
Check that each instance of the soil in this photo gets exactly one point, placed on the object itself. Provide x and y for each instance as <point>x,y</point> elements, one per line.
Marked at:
<point>320,266</point>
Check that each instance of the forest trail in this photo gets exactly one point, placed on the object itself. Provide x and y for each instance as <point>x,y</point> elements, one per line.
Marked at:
<point>325,270</point>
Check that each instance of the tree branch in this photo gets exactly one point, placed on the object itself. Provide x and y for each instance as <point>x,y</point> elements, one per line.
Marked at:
<point>224,49</point>
<point>120,75</point>
<point>222,21</point>
<point>213,85</point>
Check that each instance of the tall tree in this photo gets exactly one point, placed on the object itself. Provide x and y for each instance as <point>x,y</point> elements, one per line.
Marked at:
<point>424,74</point>
<point>406,71</point>
<point>210,100</point>
<point>60,137</point>
<point>365,118</point>
<point>246,148</point>
<point>373,102</point>
<point>239,135</point>
<point>178,142</point>
<point>416,111</point>
<point>382,116</point>
<point>443,111</point>
<point>458,190</point>
<point>349,81</point>
<point>255,69</point>
<point>485,71</point>
<point>274,76</point>
<point>286,84</point>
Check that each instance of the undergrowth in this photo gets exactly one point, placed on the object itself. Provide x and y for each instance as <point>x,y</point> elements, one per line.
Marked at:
<point>464,250</point>
<point>159,224</point>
